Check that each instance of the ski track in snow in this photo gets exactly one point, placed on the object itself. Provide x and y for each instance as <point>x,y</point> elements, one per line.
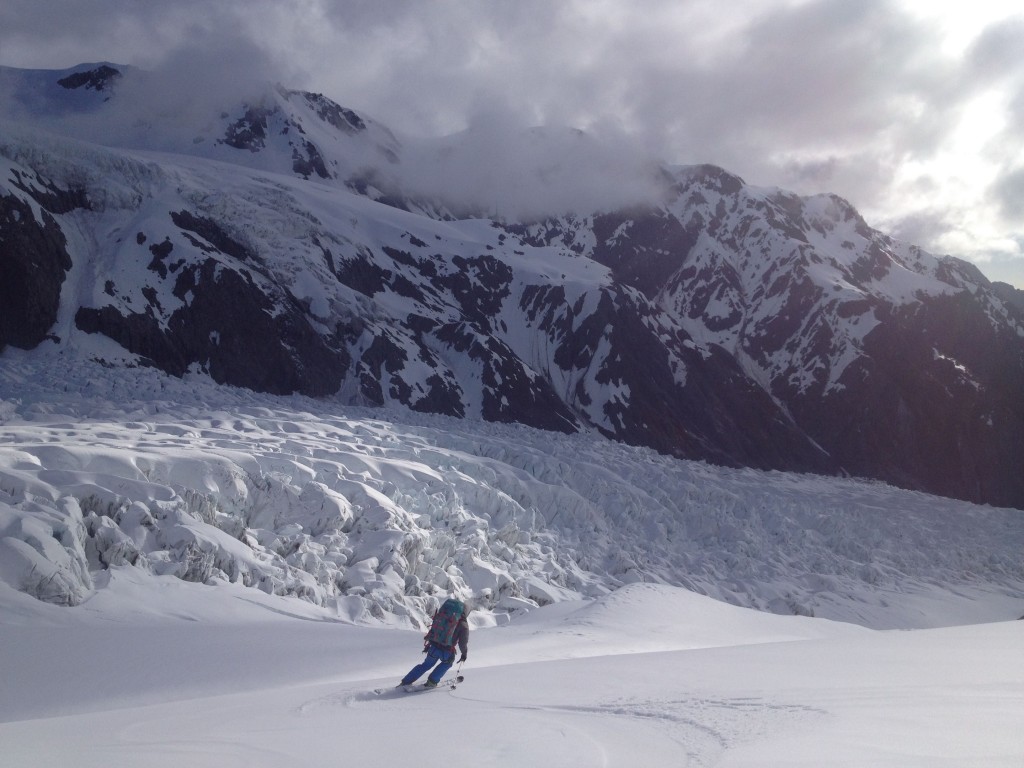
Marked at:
<point>726,686</point>
<point>701,729</point>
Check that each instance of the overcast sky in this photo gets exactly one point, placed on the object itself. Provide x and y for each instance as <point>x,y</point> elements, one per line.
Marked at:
<point>911,109</point>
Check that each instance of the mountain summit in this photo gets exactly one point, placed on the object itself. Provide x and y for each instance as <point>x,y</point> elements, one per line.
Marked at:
<point>286,244</point>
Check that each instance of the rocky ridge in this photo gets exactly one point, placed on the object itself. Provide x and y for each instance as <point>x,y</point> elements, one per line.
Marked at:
<point>277,251</point>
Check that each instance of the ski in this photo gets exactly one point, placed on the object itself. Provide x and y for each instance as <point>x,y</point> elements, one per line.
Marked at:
<point>448,684</point>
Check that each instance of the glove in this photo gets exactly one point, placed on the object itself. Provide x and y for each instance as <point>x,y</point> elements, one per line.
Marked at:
<point>464,657</point>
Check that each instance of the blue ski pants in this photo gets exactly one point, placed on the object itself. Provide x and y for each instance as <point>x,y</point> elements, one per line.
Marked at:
<point>435,654</point>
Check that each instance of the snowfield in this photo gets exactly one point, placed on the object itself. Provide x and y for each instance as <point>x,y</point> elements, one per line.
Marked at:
<point>206,576</point>
<point>158,672</point>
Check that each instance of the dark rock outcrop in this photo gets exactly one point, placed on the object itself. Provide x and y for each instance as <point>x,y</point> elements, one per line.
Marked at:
<point>233,323</point>
<point>34,262</point>
<point>99,79</point>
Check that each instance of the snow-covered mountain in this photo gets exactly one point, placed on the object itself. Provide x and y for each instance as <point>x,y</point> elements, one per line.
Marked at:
<point>286,244</point>
<point>212,535</point>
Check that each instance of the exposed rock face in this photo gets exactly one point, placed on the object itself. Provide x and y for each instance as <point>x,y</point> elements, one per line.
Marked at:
<point>232,322</point>
<point>744,326</point>
<point>939,397</point>
<point>99,79</point>
<point>896,364</point>
<point>33,266</point>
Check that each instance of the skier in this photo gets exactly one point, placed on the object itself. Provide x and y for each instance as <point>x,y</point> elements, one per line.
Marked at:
<point>449,628</point>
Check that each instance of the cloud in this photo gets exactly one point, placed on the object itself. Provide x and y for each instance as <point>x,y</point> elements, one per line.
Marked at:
<point>166,106</point>
<point>810,95</point>
<point>62,34</point>
<point>813,96</point>
<point>922,227</point>
<point>995,54</point>
<point>1008,194</point>
<point>760,88</point>
<point>767,90</point>
<point>499,168</point>
<point>207,74</point>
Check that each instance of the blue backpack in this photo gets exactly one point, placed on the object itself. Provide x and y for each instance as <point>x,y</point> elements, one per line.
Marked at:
<point>446,620</point>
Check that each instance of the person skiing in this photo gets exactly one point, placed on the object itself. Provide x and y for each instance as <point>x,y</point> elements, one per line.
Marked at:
<point>449,628</point>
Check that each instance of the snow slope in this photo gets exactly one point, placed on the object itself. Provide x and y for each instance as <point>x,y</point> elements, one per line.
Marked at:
<point>232,576</point>
<point>156,672</point>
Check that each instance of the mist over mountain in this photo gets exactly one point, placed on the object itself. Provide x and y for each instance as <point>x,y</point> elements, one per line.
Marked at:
<point>275,240</point>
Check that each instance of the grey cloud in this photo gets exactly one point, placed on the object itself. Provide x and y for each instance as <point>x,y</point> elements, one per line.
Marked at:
<point>68,33</point>
<point>1016,111</point>
<point>498,168</point>
<point>186,92</point>
<point>996,53</point>
<point>819,95</point>
<point>1008,194</point>
<point>829,77</point>
<point>1005,267</point>
<point>923,227</point>
<point>813,78</point>
<point>55,34</point>
<point>808,84</point>
<point>1005,147</point>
